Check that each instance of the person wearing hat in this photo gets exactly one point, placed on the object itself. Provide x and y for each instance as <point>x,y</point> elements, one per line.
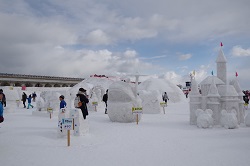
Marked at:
<point>84,100</point>
<point>1,107</point>
<point>63,104</point>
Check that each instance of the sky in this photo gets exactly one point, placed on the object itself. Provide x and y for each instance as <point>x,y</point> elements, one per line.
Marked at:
<point>160,38</point>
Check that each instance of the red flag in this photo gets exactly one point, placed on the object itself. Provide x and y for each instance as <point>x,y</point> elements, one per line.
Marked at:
<point>236,74</point>
<point>221,44</point>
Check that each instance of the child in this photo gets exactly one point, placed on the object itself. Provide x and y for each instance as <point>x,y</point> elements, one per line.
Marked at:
<point>29,102</point>
<point>63,104</point>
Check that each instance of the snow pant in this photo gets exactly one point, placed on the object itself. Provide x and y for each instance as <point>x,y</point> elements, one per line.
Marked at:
<point>24,106</point>
<point>106,107</point>
<point>29,104</point>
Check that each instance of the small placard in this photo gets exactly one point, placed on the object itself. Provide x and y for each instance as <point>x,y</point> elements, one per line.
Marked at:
<point>163,104</point>
<point>137,110</point>
<point>68,123</point>
<point>94,103</point>
<point>50,110</point>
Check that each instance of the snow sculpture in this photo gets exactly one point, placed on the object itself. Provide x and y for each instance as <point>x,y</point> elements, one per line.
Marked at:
<point>204,118</point>
<point>40,104</point>
<point>247,120</point>
<point>229,119</point>
<point>81,126</point>
<point>93,98</point>
<point>195,102</point>
<point>150,102</point>
<point>216,94</point>
<point>121,100</point>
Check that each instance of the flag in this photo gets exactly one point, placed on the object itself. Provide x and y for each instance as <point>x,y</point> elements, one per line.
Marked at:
<point>221,44</point>
<point>212,72</point>
<point>236,74</point>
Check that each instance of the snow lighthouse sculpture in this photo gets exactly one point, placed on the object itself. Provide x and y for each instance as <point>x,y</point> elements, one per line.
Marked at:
<point>217,95</point>
<point>121,98</point>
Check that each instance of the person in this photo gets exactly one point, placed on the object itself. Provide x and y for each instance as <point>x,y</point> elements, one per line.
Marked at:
<point>24,98</point>
<point>186,93</point>
<point>165,97</point>
<point>105,100</point>
<point>29,102</point>
<point>1,107</point>
<point>34,96</point>
<point>4,98</point>
<point>84,100</point>
<point>63,104</point>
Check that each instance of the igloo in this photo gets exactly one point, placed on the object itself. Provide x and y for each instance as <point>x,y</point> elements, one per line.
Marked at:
<point>122,97</point>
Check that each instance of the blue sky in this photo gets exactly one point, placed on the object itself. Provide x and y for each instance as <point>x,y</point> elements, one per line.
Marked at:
<point>161,38</point>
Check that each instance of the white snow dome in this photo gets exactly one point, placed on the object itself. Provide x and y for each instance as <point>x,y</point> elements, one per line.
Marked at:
<point>175,94</point>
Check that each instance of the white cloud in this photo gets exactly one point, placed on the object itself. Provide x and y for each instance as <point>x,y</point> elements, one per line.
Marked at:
<point>154,57</point>
<point>238,51</point>
<point>130,53</point>
<point>184,57</point>
<point>96,37</point>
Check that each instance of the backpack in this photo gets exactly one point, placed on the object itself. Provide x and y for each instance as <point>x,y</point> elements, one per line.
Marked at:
<point>77,102</point>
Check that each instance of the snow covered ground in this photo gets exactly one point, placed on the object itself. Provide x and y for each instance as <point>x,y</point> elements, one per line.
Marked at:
<point>159,140</point>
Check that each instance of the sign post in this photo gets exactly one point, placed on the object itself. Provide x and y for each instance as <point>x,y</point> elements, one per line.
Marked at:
<point>163,105</point>
<point>50,110</point>
<point>137,111</point>
<point>94,103</point>
<point>68,124</point>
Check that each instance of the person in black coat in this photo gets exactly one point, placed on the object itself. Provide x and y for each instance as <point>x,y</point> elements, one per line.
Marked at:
<point>24,98</point>
<point>105,100</point>
<point>84,100</point>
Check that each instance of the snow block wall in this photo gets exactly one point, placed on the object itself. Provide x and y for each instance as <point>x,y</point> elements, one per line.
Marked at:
<point>121,100</point>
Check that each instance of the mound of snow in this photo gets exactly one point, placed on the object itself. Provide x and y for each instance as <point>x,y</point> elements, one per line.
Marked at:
<point>175,94</point>
<point>247,120</point>
<point>204,118</point>
<point>121,99</point>
<point>229,119</point>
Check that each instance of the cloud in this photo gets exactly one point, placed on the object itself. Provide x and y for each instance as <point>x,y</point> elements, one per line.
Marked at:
<point>238,51</point>
<point>184,57</point>
<point>154,57</point>
<point>96,37</point>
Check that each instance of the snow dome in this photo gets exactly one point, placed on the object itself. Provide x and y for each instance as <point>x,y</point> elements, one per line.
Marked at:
<point>175,94</point>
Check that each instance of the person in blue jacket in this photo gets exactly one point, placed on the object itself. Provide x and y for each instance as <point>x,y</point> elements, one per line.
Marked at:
<point>29,102</point>
<point>1,108</point>
<point>63,104</point>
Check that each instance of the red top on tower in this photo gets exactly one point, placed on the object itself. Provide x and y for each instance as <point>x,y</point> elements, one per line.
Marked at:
<point>221,44</point>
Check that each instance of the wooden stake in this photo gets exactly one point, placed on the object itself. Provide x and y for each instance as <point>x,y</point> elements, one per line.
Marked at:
<point>50,115</point>
<point>164,109</point>
<point>137,118</point>
<point>68,137</point>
